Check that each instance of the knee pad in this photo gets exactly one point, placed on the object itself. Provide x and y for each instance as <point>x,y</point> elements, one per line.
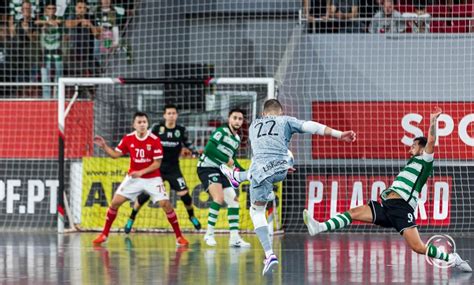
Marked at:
<point>229,197</point>
<point>187,200</point>
<point>257,214</point>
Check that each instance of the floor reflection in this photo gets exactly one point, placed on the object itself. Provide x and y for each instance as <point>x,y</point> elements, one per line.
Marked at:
<point>27,258</point>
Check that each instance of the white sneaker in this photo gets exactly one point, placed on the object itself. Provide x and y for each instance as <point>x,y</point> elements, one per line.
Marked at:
<point>229,173</point>
<point>210,240</point>
<point>312,224</point>
<point>461,264</point>
<point>237,241</point>
<point>269,264</point>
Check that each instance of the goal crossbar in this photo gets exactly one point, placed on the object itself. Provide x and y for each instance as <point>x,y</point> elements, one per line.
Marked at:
<point>63,82</point>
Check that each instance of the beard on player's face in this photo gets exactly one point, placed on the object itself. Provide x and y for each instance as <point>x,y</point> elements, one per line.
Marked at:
<point>416,149</point>
<point>235,127</point>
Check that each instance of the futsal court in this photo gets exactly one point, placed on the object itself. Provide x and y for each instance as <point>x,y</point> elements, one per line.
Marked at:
<point>43,258</point>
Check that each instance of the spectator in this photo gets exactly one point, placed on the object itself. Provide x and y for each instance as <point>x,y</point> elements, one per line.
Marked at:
<point>344,11</point>
<point>421,19</point>
<point>82,32</point>
<point>314,11</point>
<point>387,20</point>
<point>51,37</point>
<point>24,37</point>
<point>15,7</point>
<point>5,69</point>
<point>367,9</point>
<point>109,19</point>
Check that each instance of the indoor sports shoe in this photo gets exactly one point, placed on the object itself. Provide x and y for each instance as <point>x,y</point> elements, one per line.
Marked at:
<point>210,240</point>
<point>129,226</point>
<point>100,239</point>
<point>312,224</point>
<point>229,173</point>
<point>461,264</point>
<point>269,264</point>
<point>195,222</point>
<point>237,241</point>
<point>181,241</point>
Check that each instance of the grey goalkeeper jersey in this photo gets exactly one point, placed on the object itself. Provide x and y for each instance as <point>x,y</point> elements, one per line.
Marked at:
<point>269,138</point>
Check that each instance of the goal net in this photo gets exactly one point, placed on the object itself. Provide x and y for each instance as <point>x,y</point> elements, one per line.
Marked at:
<point>382,83</point>
<point>91,180</point>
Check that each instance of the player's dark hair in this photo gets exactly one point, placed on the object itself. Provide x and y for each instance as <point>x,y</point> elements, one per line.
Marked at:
<point>421,141</point>
<point>170,106</point>
<point>140,114</point>
<point>236,110</point>
<point>272,105</point>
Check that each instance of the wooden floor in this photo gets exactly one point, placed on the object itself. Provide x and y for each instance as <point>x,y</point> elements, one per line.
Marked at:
<point>141,258</point>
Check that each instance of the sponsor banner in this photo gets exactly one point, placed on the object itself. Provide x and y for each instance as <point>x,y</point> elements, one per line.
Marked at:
<point>28,193</point>
<point>102,177</point>
<point>387,129</point>
<point>30,129</point>
<point>445,202</point>
<point>332,194</point>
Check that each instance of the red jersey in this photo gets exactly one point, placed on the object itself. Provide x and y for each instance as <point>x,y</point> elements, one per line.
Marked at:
<point>142,152</point>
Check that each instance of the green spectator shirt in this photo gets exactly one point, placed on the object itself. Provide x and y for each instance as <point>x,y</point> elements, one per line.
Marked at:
<point>51,36</point>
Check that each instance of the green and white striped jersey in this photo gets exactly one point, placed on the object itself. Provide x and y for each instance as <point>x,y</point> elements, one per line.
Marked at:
<point>412,177</point>
<point>221,145</point>
<point>51,36</point>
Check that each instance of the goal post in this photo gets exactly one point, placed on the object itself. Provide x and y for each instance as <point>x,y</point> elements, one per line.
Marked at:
<point>221,95</point>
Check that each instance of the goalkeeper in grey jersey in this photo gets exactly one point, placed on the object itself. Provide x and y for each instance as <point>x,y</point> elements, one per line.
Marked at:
<point>271,161</point>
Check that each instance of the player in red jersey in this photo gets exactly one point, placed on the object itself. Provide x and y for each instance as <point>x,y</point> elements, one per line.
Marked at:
<point>143,175</point>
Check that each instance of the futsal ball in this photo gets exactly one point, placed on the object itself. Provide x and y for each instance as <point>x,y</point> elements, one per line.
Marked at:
<point>290,159</point>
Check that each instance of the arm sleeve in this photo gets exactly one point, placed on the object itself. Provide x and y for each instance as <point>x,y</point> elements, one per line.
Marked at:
<point>211,150</point>
<point>296,126</point>
<point>428,157</point>
<point>122,146</point>
<point>186,141</point>
<point>237,164</point>
<point>314,128</point>
<point>158,150</point>
<point>155,129</point>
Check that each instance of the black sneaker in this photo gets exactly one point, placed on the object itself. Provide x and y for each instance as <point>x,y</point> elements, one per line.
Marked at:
<point>195,222</point>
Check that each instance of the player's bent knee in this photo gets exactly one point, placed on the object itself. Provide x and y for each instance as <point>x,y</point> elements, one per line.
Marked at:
<point>257,214</point>
<point>361,213</point>
<point>419,248</point>
<point>117,201</point>
<point>165,205</point>
<point>230,198</point>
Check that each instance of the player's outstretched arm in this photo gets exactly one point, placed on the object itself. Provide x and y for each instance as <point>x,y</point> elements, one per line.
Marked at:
<point>323,130</point>
<point>347,136</point>
<point>100,141</point>
<point>430,144</point>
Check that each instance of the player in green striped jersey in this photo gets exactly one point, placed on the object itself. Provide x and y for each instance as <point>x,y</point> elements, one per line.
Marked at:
<point>222,148</point>
<point>399,202</point>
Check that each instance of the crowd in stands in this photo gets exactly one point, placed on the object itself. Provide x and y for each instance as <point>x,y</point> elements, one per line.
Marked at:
<point>41,40</point>
<point>389,16</point>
